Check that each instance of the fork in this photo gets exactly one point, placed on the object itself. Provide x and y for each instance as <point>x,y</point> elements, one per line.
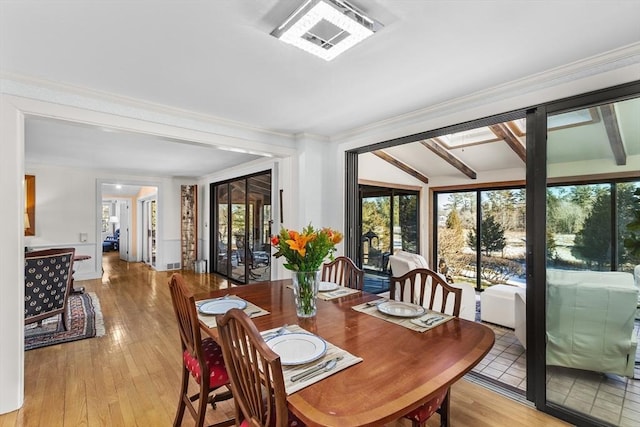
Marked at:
<point>276,333</point>
<point>433,320</point>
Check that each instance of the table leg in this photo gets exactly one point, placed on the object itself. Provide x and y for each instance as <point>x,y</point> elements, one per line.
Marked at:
<point>75,290</point>
<point>79,290</point>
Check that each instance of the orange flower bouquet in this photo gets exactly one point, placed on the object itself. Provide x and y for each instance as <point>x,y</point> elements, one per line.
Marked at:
<point>305,252</point>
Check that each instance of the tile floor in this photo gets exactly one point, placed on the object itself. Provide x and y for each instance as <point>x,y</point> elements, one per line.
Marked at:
<point>506,361</point>
<point>610,398</point>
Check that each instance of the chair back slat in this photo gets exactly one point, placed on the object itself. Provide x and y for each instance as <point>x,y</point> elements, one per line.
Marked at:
<point>344,272</point>
<point>255,372</point>
<point>421,283</point>
<point>47,277</point>
<point>184,306</point>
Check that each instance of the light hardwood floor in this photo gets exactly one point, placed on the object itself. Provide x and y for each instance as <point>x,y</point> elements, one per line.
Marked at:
<point>131,376</point>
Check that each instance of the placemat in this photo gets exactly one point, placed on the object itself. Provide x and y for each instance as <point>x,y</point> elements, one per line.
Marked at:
<point>432,318</point>
<point>251,309</point>
<point>333,351</point>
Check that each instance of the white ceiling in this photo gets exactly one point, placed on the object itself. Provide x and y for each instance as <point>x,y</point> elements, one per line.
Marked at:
<point>216,57</point>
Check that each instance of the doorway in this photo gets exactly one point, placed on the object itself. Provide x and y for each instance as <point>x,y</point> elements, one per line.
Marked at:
<point>149,226</point>
<point>130,212</point>
<point>389,219</point>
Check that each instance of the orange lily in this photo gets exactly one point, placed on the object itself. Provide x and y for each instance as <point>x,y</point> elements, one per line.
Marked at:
<point>299,242</point>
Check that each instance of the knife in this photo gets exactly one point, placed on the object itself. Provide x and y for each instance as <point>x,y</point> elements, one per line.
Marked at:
<point>314,369</point>
<point>329,366</point>
<point>376,303</point>
<point>432,320</point>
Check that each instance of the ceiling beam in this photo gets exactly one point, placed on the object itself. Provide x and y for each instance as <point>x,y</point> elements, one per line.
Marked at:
<point>435,145</point>
<point>400,165</point>
<point>613,132</point>
<point>504,133</point>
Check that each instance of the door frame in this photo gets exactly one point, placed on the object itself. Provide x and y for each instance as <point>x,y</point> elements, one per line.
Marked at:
<point>138,235</point>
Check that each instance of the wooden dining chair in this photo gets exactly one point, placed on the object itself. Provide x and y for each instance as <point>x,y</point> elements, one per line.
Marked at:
<point>202,359</point>
<point>344,272</point>
<point>422,285</point>
<point>255,373</point>
<point>416,286</point>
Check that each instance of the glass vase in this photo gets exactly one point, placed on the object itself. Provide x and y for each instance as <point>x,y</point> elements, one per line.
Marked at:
<point>305,292</point>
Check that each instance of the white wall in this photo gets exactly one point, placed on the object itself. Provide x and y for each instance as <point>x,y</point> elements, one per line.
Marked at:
<point>11,256</point>
<point>67,204</point>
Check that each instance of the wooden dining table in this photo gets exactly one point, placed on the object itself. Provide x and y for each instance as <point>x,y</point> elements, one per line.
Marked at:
<point>401,368</point>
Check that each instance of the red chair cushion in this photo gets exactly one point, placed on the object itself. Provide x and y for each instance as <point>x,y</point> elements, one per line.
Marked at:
<point>425,411</point>
<point>214,360</point>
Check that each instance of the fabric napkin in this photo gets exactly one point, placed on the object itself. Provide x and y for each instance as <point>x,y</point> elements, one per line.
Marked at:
<point>333,351</point>
<point>431,320</point>
<point>413,323</point>
<point>251,309</point>
<point>338,293</point>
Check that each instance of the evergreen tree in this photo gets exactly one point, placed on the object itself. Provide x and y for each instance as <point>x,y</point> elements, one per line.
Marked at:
<point>593,242</point>
<point>632,241</point>
<point>451,238</point>
<point>407,213</point>
<point>492,237</point>
<point>376,216</point>
<point>451,243</point>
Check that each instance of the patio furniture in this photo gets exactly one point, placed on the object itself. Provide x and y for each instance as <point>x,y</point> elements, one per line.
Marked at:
<point>344,272</point>
<point>497,305</point>
<point>201,359</point>
<point>590,320</point>
<point>47,283</point>
<point>520,313</point>
<point>255,373</point>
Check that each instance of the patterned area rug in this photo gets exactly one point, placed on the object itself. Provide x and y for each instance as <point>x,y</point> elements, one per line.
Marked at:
<point>85,321</point>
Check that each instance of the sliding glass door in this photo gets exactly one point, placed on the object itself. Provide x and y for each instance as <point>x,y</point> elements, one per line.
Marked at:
<point>582,244</point>
<point>389,223</point>
<point>592,249</point>
<point>241,210</point>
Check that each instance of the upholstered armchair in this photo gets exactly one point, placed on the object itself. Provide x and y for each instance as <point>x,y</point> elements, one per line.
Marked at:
<point>590,320</point>
<point>47,281</point>
<point>111,243</point>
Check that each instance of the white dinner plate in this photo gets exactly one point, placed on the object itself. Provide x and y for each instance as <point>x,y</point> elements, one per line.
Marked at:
<point>400,309</point>
<point>297,348</point>
<point>221,306</point>
<point>327,286</point>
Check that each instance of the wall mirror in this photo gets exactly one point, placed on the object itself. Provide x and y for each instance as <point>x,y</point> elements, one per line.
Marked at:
<point>29,205</point>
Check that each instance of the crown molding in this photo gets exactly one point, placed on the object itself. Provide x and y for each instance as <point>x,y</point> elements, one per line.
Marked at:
<point>105,102</point>
<point>594,65</point>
